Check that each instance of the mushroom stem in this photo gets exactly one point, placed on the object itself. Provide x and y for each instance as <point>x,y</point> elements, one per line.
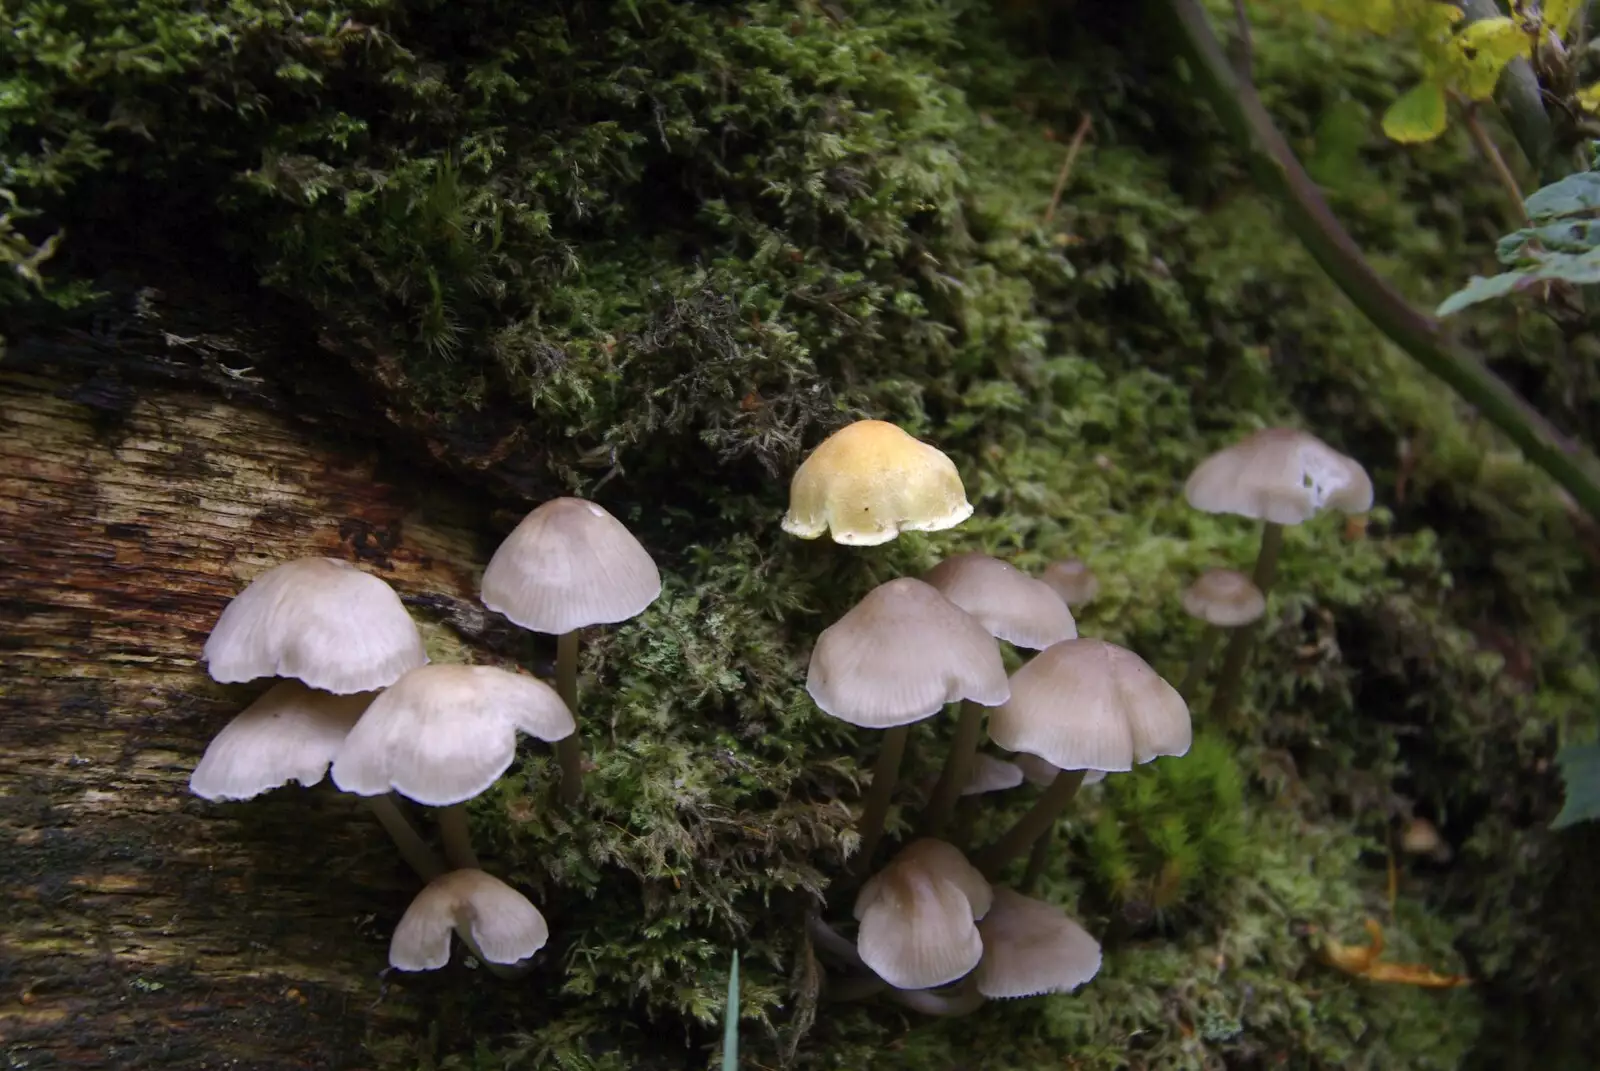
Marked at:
<point>957,769</point>
<point>1230,682</point>
<point>829,940</point>
<point>456,834</point>
<point>1039,820</point>
<point>884,774</point>
<point>413,849</point>
<point>569,749</point>
<point>963,1001</point>
<point>1197,662</point>
<point>1038,859</point>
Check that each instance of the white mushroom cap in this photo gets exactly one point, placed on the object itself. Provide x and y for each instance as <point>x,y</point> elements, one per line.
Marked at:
<point>444,733</point>
<point>568,565</point>
<point>990,774</point>
<point>1012,605</point>
<point>901,654</point>
<point>1071,579</point>
<point>1031,947</point>
<point>319,620</point>
<point>289,734</point>
<point>499,922</point>
<point>917,916</point>
<point>1090,705</point>
<point>1225,598</point>
<point>1040,773</point>
<point>870,481</point>
<point>1279,475</point>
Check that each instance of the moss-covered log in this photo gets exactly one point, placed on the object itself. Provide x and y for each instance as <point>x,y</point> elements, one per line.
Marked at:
<point>143,927</point>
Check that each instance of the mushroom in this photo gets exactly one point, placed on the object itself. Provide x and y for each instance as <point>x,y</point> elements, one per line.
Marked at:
<point>1223,599</point>
<point>1031,947</point>
<point>495,921</point>
<point>990,774</point>
<point>319,620</point>
<point>291,733</point>
<point>1071,579</point>
<point>1014,607</point>
<point>898,656</point>
<point>1280,476</point>
<point>567,566</point>
<point>868,482</point>
<point>444,733</point>
<point>917,916</point>
<point>1040,773</point>
<point>1083,704</point>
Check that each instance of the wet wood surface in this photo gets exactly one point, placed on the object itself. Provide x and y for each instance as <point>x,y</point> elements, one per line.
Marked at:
<point>141,926</point>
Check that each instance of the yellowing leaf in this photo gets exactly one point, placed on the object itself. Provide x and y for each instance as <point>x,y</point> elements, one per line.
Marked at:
<point>1557,15</point>
<point>1589,97</point>
<point>1419,115</point>
<point>1485,48</point>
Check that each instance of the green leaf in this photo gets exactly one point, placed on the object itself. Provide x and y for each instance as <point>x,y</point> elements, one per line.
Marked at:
<point>1419,115</point>
<point>730,1020</point>
<point>1573,195</point>
<point>1486,47</point>
<point>1519,249</point>
<point>1481,289</point>
<point>1580,771</point>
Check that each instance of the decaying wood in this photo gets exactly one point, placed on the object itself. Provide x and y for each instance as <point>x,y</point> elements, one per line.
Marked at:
<point>143,927</point>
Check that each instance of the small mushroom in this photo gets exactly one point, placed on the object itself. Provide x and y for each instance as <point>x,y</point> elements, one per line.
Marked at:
<point>569,565</point>
<point>990,774</point>
<point>868,482</point>
<point>917,916</point>
<point>1041,774</point>
<point>1031,947</point>
<point>319,620</point>
<point>289,734</point>
<point>1223,599</point>
<point>498,923</point>
<point>1071,579</point>
<point>898,656</point>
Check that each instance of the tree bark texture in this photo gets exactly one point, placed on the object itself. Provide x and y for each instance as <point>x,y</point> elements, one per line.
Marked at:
<point>139,925</point>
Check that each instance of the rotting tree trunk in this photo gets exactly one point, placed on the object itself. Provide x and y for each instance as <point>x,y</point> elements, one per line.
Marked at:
<point>143,927</point>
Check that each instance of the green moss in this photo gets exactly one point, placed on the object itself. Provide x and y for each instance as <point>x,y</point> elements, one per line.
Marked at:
<point>653,250</point>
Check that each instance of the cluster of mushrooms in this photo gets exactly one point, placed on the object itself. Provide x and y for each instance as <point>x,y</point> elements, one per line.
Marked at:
<point>934,931</point>
<point>360,701</point>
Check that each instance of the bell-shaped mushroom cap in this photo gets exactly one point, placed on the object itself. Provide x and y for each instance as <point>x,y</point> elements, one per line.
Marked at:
<point>1225,598</point>
<point>899,655</point>
<point>445,733</point>
<point>289,734</point>
<point>319,620</point>
<point>499,922</point>
<point>1071,579</point>
<point>1031,947</point>
<point>568,565</point>
<point>990,774</point>
<point>870,481</point>
<point>1279,475</point>
<point>917,916</point>
<point>1038,772</point>
<point>1012,605</point>
<point>1090,705</point>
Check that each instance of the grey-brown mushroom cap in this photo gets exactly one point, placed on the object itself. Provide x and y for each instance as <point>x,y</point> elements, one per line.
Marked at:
<point>444,733</point>
<point>901,654</point>
<point>917,916</point>
<point>568,565</point>
<point>1086,704</point>
<point>1071,579</point>
<point>502,924</point>
<point>941,859</point>
<point>1012,605</point>
<point>319,620</point>
<point>1031,947</point>
<point>290,733</point>
<point>990,774</point>
<point>1225,598</point>
<point>1280,475</point>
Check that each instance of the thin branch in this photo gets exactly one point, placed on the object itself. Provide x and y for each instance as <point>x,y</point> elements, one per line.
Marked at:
<point>1244,48</point>
<point>1522,102</point>
<point>1497,163</point>
<point>1275,168</point>
<point>1066,167</point>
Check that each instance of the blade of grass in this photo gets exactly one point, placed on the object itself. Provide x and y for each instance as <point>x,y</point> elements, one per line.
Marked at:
<point>730,1021</point>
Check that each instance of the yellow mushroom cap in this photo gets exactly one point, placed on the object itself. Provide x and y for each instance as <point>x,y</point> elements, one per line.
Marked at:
<point>1031,947</point>
<point>870,481</point>
<point>1012,605</point>
<point>901,654</point>
<point>291,733</point>
<point>1225,598</point>
<point>917,916</point>
<point>1090,705</point>
<point>1071,579</point>
<point>1280,475</point>
<point>319,620</point>
<point>568,565</point>
<point>502,925</point>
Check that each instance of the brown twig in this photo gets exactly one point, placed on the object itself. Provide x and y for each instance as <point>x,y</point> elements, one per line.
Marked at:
<point>1243,50</point>
<point>1497,162</point>
<point>1066,166</point>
